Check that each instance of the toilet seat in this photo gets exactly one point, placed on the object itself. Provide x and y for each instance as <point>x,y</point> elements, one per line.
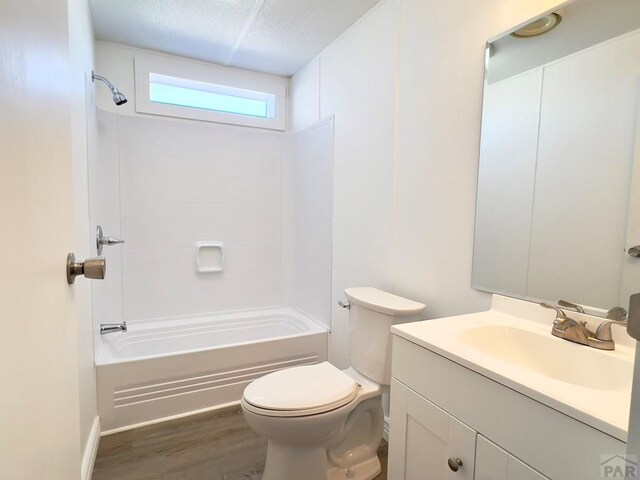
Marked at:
<point>300,391</point>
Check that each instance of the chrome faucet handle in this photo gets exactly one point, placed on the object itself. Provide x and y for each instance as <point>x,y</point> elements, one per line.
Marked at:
<point>574,306</point>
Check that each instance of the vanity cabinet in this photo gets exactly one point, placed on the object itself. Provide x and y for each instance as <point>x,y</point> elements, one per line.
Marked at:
<point>493,463</point>
<point>425,438</point>
<point>441,409</point>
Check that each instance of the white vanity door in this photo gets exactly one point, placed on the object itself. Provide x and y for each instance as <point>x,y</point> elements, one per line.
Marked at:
<point>493,463</point>
<point>423,437</point>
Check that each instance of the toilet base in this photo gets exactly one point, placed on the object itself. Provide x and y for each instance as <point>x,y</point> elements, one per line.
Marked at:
<point>285,462</point>
<point>366,470</point>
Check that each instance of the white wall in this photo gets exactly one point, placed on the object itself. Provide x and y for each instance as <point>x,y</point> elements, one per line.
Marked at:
<point>307,181</point>
<point>304,104</point>
<point>412,69</point>
<point>357,85</point>
<point>83,121</point>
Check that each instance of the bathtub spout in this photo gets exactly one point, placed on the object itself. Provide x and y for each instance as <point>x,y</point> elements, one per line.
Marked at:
<point>112,327</point>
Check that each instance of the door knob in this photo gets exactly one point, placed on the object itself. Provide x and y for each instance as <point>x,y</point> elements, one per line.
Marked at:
<point>634,251</point>
<point>90,268</point>
<point>454,464</point>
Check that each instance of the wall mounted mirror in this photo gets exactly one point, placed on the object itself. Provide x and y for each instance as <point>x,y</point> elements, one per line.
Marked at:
<point>559,178</point>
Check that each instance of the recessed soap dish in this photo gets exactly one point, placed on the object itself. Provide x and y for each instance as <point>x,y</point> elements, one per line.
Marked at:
<point>210,257</point>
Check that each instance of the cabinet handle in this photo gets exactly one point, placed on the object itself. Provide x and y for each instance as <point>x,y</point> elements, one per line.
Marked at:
<point>454,464</point>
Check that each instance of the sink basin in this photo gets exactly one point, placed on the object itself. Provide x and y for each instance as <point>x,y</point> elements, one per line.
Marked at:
<point>550,356</point>
<point>512,345</point>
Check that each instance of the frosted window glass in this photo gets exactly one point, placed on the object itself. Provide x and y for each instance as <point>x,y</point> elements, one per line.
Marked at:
<point>219,102</point>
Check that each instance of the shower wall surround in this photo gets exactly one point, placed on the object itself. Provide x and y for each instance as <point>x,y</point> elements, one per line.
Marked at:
<point>164,185</point>
<point>185,182</point>
<point>307,204</point>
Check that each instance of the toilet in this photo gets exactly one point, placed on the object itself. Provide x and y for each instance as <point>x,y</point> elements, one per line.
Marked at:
<point>323,423</point>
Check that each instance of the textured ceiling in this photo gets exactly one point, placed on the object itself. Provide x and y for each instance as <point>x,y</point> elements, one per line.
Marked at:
<point>273,36</point>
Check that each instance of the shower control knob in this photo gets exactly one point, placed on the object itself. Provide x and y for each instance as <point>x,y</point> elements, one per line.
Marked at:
<point>101,240</point>
<point>91,268</point>
<point>454,464</point>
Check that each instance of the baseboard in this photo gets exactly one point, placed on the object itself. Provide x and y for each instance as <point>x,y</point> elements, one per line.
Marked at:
<point>385,432</point>
<point>90,451</point>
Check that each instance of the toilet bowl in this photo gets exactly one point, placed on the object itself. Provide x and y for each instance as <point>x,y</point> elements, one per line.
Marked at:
<point>323,423</point>
<point>308,429</point>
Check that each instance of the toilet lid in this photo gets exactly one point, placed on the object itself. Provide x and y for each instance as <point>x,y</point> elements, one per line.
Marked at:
<point>302,388</point>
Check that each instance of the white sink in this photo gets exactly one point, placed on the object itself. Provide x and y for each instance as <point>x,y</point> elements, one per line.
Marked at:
<point>593,386</point>
<point>546,355</point>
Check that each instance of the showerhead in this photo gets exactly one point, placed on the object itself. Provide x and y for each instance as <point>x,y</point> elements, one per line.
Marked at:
<point>118,97</point>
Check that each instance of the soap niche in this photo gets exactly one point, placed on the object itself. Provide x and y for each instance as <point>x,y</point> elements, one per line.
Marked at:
<point>210,257</point>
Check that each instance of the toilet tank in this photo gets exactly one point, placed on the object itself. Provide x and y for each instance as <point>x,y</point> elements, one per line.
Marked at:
<point>371,316</point>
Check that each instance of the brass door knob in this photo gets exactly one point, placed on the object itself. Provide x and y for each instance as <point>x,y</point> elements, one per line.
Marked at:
<point>454,464</point>
<point>90,268</point>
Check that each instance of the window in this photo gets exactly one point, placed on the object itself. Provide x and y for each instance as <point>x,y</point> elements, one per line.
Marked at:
<point>194,90</point>
<point>186,93</point>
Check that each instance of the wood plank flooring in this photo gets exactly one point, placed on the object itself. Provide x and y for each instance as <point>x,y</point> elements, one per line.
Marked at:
<point>216,445</point>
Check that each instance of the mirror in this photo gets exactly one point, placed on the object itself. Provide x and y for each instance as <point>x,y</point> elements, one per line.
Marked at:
<point>558,203</point>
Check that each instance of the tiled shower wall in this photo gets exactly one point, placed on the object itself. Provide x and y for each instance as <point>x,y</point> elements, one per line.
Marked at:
<point>181,182</point>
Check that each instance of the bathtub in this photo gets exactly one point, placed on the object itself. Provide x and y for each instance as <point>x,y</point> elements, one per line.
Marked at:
<point>165,368</point>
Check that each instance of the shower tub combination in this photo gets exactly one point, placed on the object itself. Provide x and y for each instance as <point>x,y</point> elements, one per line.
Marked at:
<point>170,367</point>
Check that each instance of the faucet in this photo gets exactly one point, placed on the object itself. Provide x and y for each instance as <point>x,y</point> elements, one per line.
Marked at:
<point>112,327</point>
<point>577,331</point>
<point>568,328</point>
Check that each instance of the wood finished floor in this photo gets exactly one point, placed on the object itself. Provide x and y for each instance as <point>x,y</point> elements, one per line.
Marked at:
<point>216,445</point>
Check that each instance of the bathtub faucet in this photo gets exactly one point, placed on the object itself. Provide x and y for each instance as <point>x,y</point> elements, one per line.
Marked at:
<point>112,327</point>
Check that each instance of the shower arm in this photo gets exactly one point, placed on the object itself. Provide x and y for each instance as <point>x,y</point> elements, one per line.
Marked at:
<point>119,98</point>
<point>95,77</point>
